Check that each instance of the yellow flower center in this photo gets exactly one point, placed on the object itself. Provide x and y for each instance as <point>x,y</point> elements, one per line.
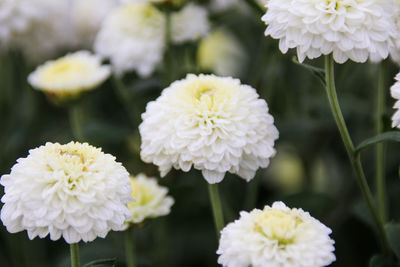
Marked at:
<point>72,163</point>
<point>278,225</point>
<point>140,193</point>
<point>63,70</point>
<point>206,96</point>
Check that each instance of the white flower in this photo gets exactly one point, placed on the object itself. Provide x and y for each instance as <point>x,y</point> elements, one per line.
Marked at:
<point>87,17</point>
<point>276,237</point>
<point>69,75</point>
<point>151,199</point>
<point>395,92</point>
<point>40,28</point>
<point>189,24</point>
<point>350,29</point>
<point>395,51</point>
<point>221,53</point>
<point>212,123</point>
<point>73,190</point>
<point>133,37</point>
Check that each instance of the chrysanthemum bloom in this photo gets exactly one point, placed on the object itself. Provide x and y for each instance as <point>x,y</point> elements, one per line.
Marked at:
<point>73,190</point>
<point>276,237</point>
<point>151,199</point>
<point>212,123</point>
<point>189,24</point>
<point>221,53</point>
<point>395,92</point>
<point>70,75</point>
<point>348,29</point>
<point>133,37</point>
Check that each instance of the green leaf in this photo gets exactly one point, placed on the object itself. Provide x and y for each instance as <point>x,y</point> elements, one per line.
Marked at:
<point>101,263</point>
<point>318,72</point>
<point>393,136</point>
<point>393,234</point>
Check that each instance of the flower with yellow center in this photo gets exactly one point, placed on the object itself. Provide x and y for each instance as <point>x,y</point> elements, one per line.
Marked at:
<point>347,29</point>
<point>214,124</point>
<point>276,237</point>
<point>70,75</point>
<point>133,38</point>
<point>75,191</point>
<point>151,199</point>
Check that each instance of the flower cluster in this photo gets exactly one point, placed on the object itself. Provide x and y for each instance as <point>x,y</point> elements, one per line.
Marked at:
<point>356,30</point>
<point>276,236</point>
<point>212,123</point>
<point>75,191</point>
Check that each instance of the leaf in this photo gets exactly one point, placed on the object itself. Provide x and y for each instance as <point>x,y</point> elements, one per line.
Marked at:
<point>101,263</point>
<point>318,72</point>
<point>393,234</point>
<point>384,137</point>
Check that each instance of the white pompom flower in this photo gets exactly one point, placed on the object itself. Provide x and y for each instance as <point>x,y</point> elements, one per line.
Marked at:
<point>214,124</point>
<point>348,29</point>
<point>70,75</point>
<point>133,37</point>
<point>395,92</point>
<point>75,191</point>
<point>151,199</point>
<point>189,24</point>
<point>276,236</point>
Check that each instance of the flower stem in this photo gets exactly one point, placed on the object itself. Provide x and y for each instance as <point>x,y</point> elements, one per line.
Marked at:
<point>380,147</point>
<point>76,123</point>
<point>216,207</point>
<point>74,248</point>
<point>348,143</point>
<point>129,248</point>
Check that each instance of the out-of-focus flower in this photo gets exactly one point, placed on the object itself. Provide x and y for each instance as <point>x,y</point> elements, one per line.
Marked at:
<point>133,37</point>
<point>87,17</point>
<point>395,92</point>
<point>276,236</point>
<point>395,51</point>
<point>286,171</point>
<point>73,190</point>
<point>189,24</point>
<point>355,30</point>
<point>212,123</point>
<point>70,75</point>
<point>221,53</point>
<point>151,199</point>
<point>40,28</point>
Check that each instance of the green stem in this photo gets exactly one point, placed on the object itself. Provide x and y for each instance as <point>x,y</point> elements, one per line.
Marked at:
<point>380,148</point>
<point>348,143</point>
<point>75,115</point>
<point>129,248</point>
<point>74,248</point>
<point>126,100</point>
<point>216,207</point>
